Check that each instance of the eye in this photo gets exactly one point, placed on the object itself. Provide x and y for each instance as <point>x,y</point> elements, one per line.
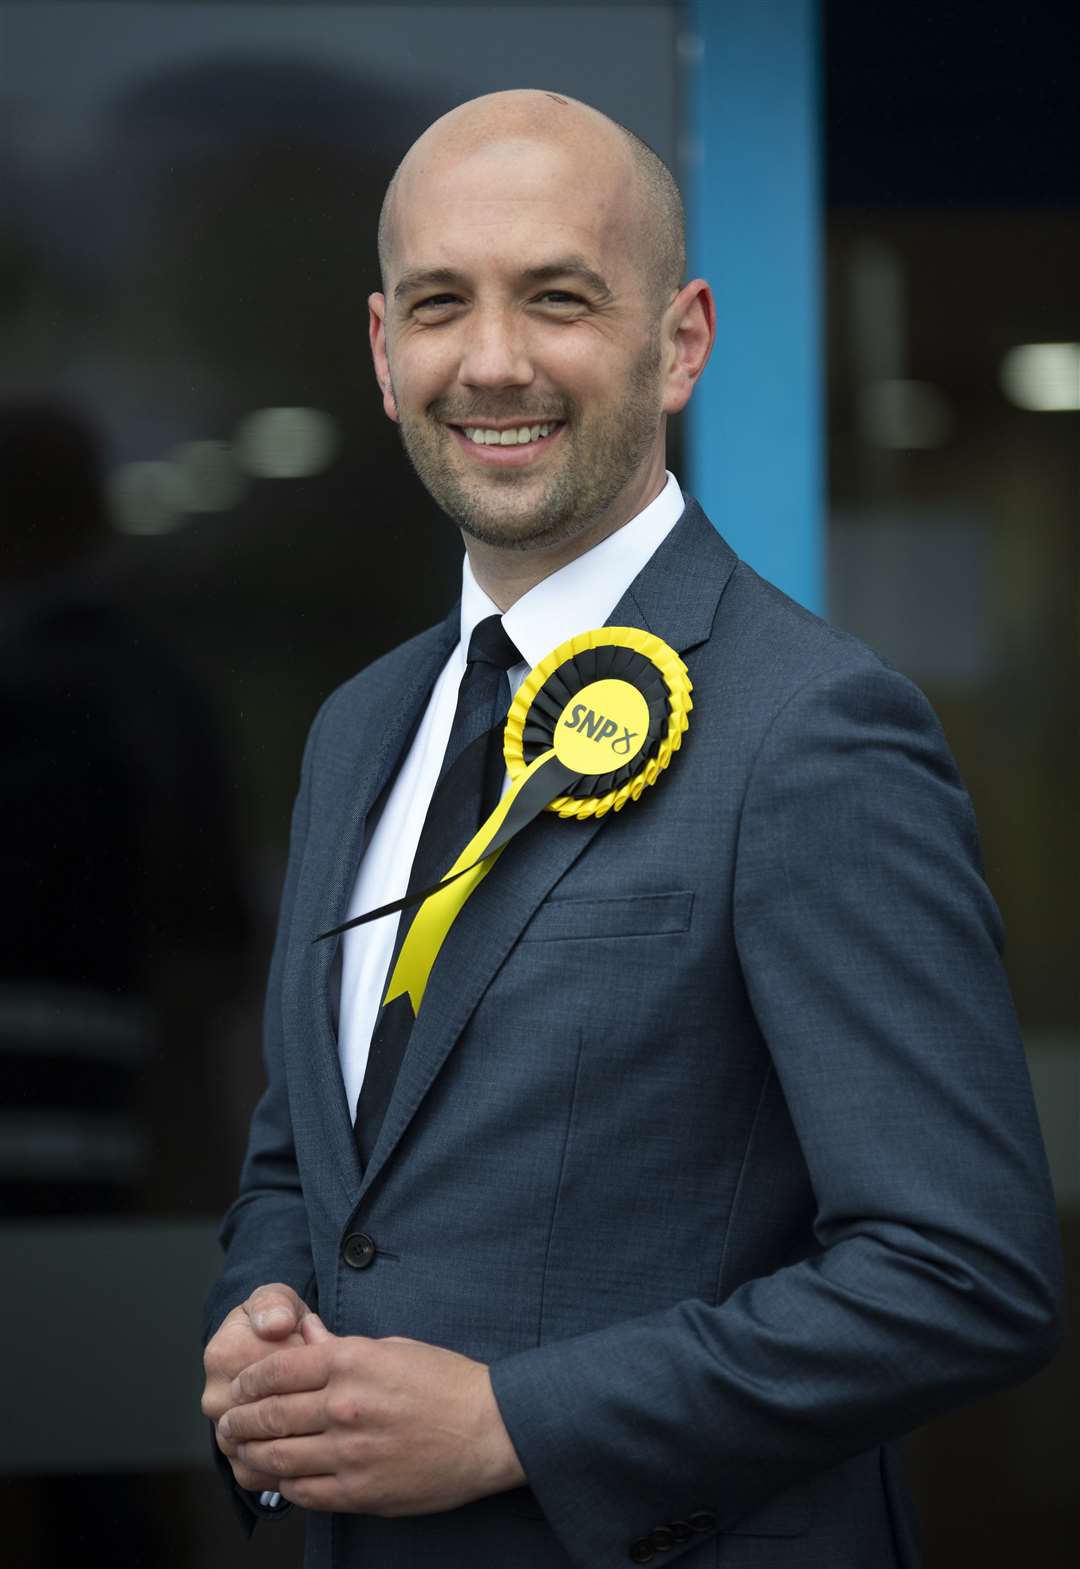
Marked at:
<point>436,302</point>
<point>561,297</point>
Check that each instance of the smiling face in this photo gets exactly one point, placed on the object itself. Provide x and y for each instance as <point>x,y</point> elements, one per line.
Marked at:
<point>520,345</point>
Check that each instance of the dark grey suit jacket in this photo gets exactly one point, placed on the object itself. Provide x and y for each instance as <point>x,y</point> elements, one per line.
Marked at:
<point>714,1136</point>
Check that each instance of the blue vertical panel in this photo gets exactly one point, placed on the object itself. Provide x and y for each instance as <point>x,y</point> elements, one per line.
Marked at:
<point>753,194</point>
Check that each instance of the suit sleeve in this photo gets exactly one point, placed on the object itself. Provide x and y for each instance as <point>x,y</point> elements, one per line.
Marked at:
<point>870,949</point>
<point>265,1231</point>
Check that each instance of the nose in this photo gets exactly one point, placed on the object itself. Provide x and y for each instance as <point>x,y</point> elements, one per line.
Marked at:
<point>495,352</point>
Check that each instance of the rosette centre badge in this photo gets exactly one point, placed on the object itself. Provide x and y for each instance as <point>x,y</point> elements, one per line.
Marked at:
<point>603,727</point>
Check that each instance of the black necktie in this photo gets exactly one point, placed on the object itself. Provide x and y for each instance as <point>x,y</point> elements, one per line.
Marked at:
<point>468,789</point>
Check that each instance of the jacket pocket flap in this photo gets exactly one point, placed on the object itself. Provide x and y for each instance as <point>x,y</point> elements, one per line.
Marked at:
<point>642,915</point>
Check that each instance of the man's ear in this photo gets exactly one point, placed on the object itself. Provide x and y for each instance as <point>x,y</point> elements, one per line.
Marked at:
<point>689,329</point>
<point>377,336</point>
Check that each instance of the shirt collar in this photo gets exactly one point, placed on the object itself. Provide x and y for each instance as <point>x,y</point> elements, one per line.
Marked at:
<point>582,594</point>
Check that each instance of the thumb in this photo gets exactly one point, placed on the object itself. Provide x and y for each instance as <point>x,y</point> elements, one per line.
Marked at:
<point>274,1311</point>
<point>314,1330</point>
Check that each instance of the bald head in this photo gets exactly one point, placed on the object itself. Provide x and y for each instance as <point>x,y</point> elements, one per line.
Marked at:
<point>530,115</point>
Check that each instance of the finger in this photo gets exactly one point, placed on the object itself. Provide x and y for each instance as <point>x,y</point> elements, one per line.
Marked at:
<point>247,1476</point>
<point>219,1353</point>
<point>215,1399</point>
<point>253,1481</point>
<point>274,1311</point>
<point>290,1457</point>
<point>278,1416</point>
<point>282,1373</point>
<point>225,1361</point>
<point>315,1492</point>
<point>314,1330</point>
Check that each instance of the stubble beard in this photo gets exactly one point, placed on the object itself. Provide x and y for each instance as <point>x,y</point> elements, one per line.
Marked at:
<point>600,463</point>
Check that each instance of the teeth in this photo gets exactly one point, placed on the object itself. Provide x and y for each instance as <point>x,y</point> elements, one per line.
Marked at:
<point>482,437</point>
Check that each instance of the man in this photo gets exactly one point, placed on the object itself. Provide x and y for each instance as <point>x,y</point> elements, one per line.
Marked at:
<point>711,1166</point>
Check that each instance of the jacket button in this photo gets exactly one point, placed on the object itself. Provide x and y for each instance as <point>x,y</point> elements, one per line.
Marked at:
<point>359,1250</point>
<point>704,1520</point>
<point>681,1530</point>
<point>642,1550</point>
<point>663,1539</point>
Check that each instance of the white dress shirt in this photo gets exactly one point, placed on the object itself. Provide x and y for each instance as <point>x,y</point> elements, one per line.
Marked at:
<point>576,598</point>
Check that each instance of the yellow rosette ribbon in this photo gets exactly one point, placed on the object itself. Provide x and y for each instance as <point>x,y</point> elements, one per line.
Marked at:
<point>592,726</point>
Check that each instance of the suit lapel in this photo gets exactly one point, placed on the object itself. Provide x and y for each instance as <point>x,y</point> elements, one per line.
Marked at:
<point>365,755</point>
<point>677,593</point>
<point>675,596</point>
<point>372,750</point>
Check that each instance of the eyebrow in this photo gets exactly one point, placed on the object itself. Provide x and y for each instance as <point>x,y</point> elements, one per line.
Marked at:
<point>564,267</point>
<point>427,278</point>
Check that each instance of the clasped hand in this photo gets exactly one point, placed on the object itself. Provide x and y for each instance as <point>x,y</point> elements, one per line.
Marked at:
<point>344,1422</point>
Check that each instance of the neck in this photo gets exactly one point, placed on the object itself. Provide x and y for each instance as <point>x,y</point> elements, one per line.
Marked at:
<point>507,575</point>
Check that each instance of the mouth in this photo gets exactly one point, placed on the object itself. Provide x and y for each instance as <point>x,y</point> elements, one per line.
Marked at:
<point>507,445</point>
